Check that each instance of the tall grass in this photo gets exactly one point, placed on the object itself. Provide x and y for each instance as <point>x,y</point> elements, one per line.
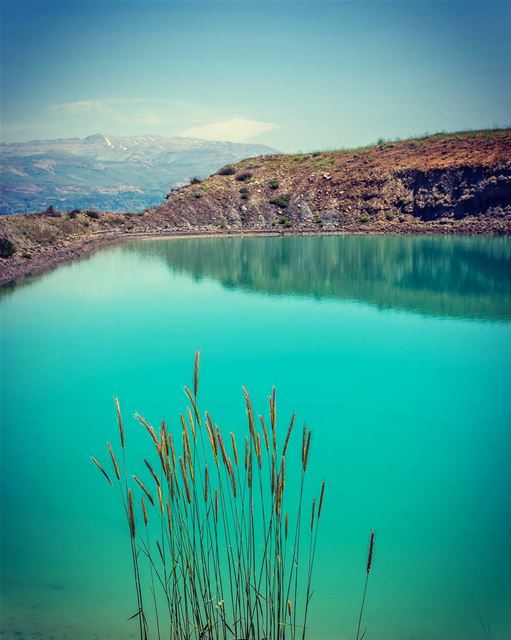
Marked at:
<point>222,546</point>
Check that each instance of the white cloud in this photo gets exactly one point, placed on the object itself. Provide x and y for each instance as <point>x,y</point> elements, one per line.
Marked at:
<point>234,130</point>
<point>81,106</point>
<point>131,116</point>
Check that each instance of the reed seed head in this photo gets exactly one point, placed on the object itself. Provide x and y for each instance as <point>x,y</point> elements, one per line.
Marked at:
<point>265,433</point>
<point>144,489</point>
<point>370,552</point>
<point>234,448</point>
<point>98,465</point>
<point>119,421</point>
<point>114,461</point>
<point>193,403</point>
<point>185,480</point>
<point>144,511</point>
<point>288,435</point>
<point>149,428</point>
<point>152,472</point>
<point>196,374</point>
<point>131,514</point>
<point>321,496</point>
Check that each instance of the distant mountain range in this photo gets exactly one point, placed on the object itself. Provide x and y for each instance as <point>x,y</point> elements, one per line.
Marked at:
<point>107,173</point>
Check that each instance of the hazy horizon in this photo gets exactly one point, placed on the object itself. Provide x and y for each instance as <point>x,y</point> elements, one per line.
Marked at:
<point>295,76</point>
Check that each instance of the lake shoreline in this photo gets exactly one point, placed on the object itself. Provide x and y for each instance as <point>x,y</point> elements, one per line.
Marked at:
<point>49,257</point>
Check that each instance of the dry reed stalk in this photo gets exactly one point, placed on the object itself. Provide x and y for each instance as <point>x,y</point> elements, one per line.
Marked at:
<point>234,449</point>
<point>192,423</point>
<point>152,472</point>
<point>246,452</point>
<point>185,480</point>
<point>265,433</point>
<point>222,446</point>
<point>227,566</point>
<point>370,552</point>
<point>144,512</point>
<point>98,465</point>
<point>206,483</point>
<point>193,402</point>
<point>273,417</point>
<point>114,461</point>
<point>160,498</point>
<point>288,435</point>
<point>258,450</point>
<point>196,374</point>
<point>119,421</point>
<point>144,489</point>
<point>321,496</point>
<point>368,571</point>
<point>172,451</point>
<point>131,512</point>
<point>149,428</point>
<point>306,453</point>
<point>169,517</point>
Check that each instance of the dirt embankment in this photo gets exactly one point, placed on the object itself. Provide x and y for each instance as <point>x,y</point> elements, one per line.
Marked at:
<point>457,183</point>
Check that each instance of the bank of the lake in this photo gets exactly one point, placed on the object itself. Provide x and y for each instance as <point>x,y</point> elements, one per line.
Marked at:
<point>442,184</point>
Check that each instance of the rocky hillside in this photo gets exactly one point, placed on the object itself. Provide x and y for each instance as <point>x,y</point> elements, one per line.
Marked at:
<point>458,183</point>
<point>451,180</point>
<point>107,173</point>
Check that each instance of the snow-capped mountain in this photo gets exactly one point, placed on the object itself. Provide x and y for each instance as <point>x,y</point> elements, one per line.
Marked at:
<point>104,172</point>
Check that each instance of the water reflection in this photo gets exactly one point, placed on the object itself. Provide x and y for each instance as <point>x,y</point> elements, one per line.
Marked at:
<point>465,277</point>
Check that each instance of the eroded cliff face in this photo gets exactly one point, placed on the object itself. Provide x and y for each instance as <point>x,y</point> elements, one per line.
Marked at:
<point>443,179</point>
<point>456,193</point>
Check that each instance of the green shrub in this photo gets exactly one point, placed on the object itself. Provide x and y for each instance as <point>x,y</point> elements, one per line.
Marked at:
<point>73,213</point>
<point>7,248</point>
<point>285,221</point>
<point>50,211</point>
<point>245,195</point>
<point>390,216</point>
<point>274,183</point>
<point>244,177</point>
<point>281,201</point>
<point>27,255</point>
<point>364,218</point>
<point>228,170</point>
<point>197,195</point>
<point>92,214</point>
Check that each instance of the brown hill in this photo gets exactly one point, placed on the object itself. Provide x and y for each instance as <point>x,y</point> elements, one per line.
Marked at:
<point>443,178</point>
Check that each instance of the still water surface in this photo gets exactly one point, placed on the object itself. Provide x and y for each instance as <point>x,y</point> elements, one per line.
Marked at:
<point>396,351</point>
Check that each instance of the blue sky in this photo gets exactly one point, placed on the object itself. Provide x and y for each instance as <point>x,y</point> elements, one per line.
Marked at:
<point>295,75</point>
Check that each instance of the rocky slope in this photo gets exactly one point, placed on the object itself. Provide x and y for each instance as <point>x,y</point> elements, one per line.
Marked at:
<point>458,183</point>
<point>451,180</point>
<point>107,173</point>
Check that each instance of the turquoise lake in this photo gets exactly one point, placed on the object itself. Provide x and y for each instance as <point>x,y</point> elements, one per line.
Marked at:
<point>396,351</point>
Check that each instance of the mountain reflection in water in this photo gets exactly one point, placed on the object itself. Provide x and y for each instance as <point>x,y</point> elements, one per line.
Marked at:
<point>452,276</point>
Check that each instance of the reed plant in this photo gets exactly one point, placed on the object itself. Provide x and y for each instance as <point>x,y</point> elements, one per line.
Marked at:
<point>222,545</point>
